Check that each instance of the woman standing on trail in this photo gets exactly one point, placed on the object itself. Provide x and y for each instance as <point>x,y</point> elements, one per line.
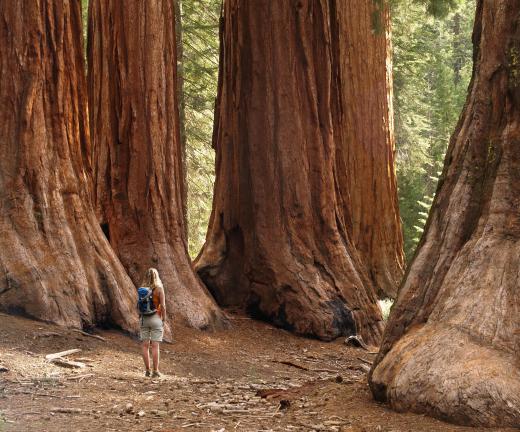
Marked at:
<point>152,308</point>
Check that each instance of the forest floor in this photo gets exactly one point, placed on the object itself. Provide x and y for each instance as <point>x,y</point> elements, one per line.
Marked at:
<point>212,382</point>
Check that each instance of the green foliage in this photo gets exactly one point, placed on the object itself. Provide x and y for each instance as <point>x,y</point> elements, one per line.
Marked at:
<point>200,40</point>
<point>432,67</point>
<point>435,8</point>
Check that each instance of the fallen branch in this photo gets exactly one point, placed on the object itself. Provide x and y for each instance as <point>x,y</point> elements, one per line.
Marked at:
<point>47,334</point>
<point>49,395</point>
<point>85,359</point>
<point>84,333</point>
<point>61,354</point>
<point>68,363</point>
<point>269,393</point>
<point>80,377</point>
<point>67,410</point>
<point>368,362</point>
<point>290,363</point>
<point>331,371</point>
<point>305,368</point>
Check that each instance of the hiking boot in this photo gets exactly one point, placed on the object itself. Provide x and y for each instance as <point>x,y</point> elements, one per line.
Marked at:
<point>156,374</point>
<point>147,373</point>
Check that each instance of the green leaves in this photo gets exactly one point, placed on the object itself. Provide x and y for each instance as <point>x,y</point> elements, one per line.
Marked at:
<point>432,67</point>
<point>435,8</point>
<point>200,38</point>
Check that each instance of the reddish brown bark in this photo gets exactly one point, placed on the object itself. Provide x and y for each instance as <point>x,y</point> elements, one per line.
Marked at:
<point>277,242</point>
<point>56,264</point>
<point>451,344</point>
<point>137,149</point>
<point>366,165</point>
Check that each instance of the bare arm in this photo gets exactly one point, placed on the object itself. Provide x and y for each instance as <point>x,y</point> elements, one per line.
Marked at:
<point>162,300</point>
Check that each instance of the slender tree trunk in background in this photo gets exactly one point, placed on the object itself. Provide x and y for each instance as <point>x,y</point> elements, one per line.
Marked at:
<point>366,164</point>
<point>56,264</point>
<point>457,43</point>
<point>182,108</point>
<point>137,150</point>
<point>277,243</point>
<point>451,344</point>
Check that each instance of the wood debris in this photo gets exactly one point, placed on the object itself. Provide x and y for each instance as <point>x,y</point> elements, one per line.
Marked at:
<point>356,341</point>
<point>68,363</point>
<point>47,334</point>
<point>53,356</point>
<point>269,393</point>
<point>84,333</point>
<point>80,377</point>
<point>66,410</point>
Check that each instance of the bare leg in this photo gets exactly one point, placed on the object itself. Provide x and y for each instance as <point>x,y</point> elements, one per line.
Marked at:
<point>146,354</point>
<point>155,356</point>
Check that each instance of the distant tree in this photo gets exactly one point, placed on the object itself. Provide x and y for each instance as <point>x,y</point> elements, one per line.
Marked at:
<point>56,264</point>
<point>366,165</point>
<point>450,347</point>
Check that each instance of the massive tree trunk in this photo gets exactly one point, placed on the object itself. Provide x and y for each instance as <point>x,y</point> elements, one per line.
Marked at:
<point>137,148</point>
<point>451,344</point>
<point>366,159</point>
<point>277,242</point>
<point>56,264</point>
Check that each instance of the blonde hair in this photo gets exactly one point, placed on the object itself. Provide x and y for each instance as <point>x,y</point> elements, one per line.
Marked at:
<point>151,279</point>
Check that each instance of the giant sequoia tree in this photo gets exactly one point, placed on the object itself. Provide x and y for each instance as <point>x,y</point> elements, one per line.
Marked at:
<point>137,149</point>
<point>56,264</point>
<point>278,241</point>
<point>366,140</point>
<point>451,345</point>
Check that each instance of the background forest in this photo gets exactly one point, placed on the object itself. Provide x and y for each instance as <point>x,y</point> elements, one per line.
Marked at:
<point>432,67</point>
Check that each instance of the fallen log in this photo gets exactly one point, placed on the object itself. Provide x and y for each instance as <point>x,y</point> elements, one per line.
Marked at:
<point>84,333</point>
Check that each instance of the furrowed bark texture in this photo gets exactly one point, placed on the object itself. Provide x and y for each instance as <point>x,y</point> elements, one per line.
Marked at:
<point>56,264</point>
<point>451,345</point>
<point>137,149</point>
<point>277,242</point>
<point>366,141</point>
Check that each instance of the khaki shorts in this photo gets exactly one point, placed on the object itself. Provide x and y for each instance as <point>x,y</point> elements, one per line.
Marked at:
<point>151,328</point>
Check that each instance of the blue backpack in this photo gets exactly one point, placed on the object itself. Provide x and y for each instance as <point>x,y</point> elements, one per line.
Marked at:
<point>145,301</point>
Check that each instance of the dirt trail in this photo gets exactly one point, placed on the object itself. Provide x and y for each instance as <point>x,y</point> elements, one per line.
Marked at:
<point>211,383</point>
